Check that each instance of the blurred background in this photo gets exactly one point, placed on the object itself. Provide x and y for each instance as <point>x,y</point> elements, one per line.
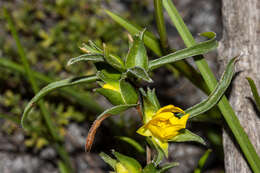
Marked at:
<point>51,32</point>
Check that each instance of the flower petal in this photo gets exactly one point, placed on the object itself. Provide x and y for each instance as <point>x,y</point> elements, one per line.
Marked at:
<point>144,131</point>
<point>170,108</point>
<point>163,116</point>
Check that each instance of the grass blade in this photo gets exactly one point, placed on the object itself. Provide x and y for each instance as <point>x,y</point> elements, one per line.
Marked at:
<point>254,92</point>
<point>133,143</point>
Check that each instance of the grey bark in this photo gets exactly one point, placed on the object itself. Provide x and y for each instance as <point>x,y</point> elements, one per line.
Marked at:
<point>241,34</point>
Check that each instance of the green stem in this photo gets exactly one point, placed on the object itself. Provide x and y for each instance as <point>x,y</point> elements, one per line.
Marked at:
<point>161,24</point>
<point>64,156</point>
<point>224,106</point>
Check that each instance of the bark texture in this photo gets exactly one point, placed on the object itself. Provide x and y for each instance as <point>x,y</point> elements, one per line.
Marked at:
<point>241,34</point>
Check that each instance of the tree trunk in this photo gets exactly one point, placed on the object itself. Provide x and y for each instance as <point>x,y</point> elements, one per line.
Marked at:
<point>241,34</point>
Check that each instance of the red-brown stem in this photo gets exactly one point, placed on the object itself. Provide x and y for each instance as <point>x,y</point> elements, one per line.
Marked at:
<point>148,155</point>
<point>138,108</point>
<point>92,132</point>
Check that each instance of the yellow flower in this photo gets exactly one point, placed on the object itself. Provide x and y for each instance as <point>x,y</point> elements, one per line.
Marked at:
<point>164,125</point>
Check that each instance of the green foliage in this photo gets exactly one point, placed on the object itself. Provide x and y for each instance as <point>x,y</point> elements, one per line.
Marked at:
<point>254,92</point>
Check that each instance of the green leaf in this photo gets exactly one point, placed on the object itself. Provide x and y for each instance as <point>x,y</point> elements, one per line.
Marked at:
<point>133,143</point>
<point>62,167</point>
<point>187,136</point>
<point>128,92</point>
<point>203,160</point>
<point>129,163</point>
<point>254,92</point>
<point>140,73</point>
<point>94,46</point>
<point>150,168</point>
<point>108,160</point>
<point>108,75</point>
<point>114,97</point>
<point>168,166</point>
<point>197,49</point>
<point>113,60</point>
<point>116,110</point>
<point>86,57</point>
<point>149,39</point>
<point>52,86</point>
<point>90,49</point>
<point>218,92</point>
<point>137,55</point>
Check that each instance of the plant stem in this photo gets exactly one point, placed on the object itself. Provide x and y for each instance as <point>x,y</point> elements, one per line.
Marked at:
<point>161,24</point>
<point>224,106</point>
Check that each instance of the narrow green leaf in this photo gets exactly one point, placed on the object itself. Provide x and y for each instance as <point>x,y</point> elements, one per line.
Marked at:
<point>204,158</point>
<point>129,163</point>
<point>218,92</point>
<point>197,49</point>
<point>150,40</point>
<point>62,167</point>
<point>113,60</point>
<point>94,46</point>
<point>133,143</point>
<point>139,73</point>
<point>168,166</point>
<point>116,110</point>
<point>254,92</point>
<point>187,136</point>
<point>108,160</point>
<point>86,57</point>
<point>52,86</point>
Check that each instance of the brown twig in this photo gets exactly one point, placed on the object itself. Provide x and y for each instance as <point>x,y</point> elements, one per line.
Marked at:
<point>138,108</point>
<point>148,154</point>
<point>92,132</point>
